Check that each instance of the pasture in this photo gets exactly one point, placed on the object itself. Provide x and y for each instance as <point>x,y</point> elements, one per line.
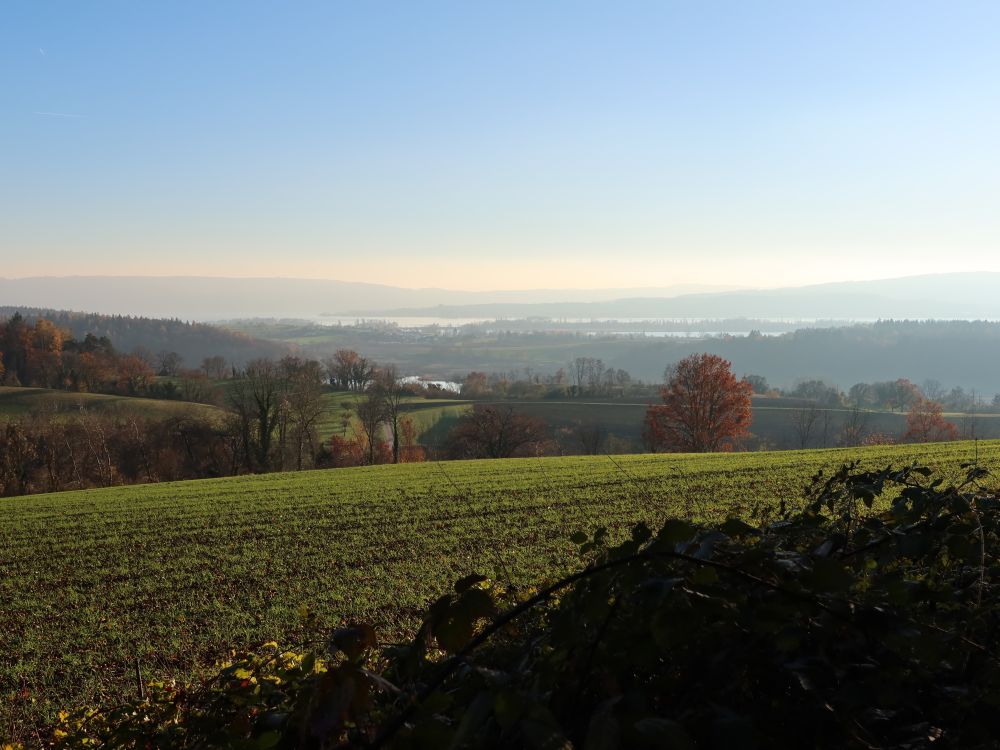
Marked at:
<point>174,574</point>
<point>20,402</point>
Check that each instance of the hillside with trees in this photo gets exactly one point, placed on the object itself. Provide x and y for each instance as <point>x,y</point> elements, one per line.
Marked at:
<point>152,337</point>
<point>966,354</point>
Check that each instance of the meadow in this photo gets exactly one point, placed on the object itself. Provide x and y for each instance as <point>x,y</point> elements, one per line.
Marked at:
<point>172,575</point>
<point>18,402</point>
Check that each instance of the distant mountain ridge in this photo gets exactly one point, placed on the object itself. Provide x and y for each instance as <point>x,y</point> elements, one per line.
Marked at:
<point>950,296</point>
<point>213,298</point>
<point>193,341</point>
<point>943,296</point>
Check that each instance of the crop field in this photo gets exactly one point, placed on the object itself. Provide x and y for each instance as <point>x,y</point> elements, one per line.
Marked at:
<point>173,575</point>
<point>771,424</point>
<point>19,402</point>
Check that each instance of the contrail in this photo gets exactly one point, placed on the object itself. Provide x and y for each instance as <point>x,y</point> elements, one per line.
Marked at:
<point>60,114</point>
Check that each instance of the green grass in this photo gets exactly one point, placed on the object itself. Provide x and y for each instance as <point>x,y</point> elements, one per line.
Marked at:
<point>175,574</point>
<point>426,413</point>
<point>21,402</point>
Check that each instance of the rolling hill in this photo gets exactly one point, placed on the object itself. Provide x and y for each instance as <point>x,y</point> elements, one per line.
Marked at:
<point>20,402</point>
<point>215,298</point>
<point>193,341</point>
<point>173,575</point>
<point>952,296</point>
<point>942,296</point>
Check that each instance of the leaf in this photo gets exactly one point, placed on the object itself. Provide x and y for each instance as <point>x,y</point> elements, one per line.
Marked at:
<point>731,731</point>
<point>641,532</point>
<point>453,634</point>
<point>603,732</point>
<point>353,641</point>
<point>828,575</point>
<point>704,576</point>
<point>473,718</point>
<point>265,741</point>
<point>309,663</point>
<point>478,603</point>
<point>468,582</point>
<point>736,528</point>
<point>675,531</point>
<point>578,537</point>
<point>544,736</point>
<point>509,707</point>
<point>664,733</point>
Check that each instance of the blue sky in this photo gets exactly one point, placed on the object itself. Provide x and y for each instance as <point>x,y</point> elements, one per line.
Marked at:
<point>500,144</point>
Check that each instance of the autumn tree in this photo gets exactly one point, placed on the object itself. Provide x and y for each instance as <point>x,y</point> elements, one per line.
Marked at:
<point>14,343</point>
<point>410,452</point>
<point>134,375</point>
<point>168,363</point>
<point>475,385</point>
<point>370,411</point>
<point>704,406</point>
<point>44,365</point>
<point>348,370</point>
<point>925,423</point>
<point>904,394</point>
<point>495,431</point>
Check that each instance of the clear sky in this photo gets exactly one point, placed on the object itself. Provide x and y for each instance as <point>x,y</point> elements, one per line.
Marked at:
<point>500,144</point>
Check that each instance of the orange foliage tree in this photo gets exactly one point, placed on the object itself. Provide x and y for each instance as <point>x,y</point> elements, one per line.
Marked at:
<point>704,407</point>
<point>925,424</point>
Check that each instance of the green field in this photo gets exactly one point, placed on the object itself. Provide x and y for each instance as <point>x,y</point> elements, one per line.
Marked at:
<point>22,402</point>
<point>771,427</point>
<point>175,574</point>
<point>426,413</point>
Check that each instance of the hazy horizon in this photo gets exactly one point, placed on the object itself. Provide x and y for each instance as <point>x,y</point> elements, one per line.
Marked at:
<point>514,146</point>
<point>680,288</point>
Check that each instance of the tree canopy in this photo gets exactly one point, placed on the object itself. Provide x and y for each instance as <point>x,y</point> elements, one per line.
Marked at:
<point>704,406</point>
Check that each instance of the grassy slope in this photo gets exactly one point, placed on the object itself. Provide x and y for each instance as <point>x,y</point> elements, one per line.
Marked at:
<point>426,413</point>
<point>19,402</point>
<point>176,573</point>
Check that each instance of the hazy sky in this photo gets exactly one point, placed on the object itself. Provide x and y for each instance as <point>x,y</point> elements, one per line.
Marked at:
<point>500,144</point>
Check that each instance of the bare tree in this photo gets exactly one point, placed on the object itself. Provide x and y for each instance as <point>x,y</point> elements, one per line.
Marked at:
<point>214,367</point>
<point>387,385</point>
<point>370,411</point>
<point>578,368</point>
<point>591,436</point>
<point>855,428</point>
<point>255,399</point>
<point>304,404</point>
<point>595,374</point>
<point>348,370</point>
<point>825,425</point>
<point>495,431</point>
<point>804,420</point>
<point>168,363</point>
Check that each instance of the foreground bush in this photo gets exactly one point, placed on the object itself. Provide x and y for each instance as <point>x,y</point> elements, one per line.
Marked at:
<point>865,620</point>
